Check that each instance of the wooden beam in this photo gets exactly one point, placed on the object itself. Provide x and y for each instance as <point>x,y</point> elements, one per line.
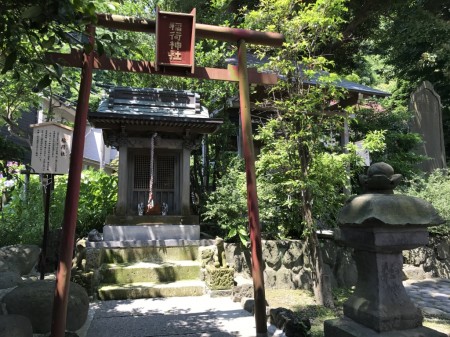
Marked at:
<point>202,31</point>
<point>74,59</point>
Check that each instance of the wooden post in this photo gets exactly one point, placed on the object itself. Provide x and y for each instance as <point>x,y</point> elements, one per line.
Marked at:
<point>61,298</point>
<point>47,182</point>
<point>252,197</point>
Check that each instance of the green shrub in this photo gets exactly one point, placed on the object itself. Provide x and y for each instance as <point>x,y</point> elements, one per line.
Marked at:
<point>227,205</point>
<point>435,188</point>
<point>22,218</point>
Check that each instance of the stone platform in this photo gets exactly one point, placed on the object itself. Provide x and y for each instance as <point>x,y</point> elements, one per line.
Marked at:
<point>151,232</point>
<point>148,243</point>
<point>151,227</point>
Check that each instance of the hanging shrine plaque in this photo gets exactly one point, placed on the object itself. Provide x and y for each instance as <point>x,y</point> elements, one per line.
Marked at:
<point>175,40</point>
<point>51,148</point>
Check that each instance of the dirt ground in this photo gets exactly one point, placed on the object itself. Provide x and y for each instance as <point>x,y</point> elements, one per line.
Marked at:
<point>302,302</point>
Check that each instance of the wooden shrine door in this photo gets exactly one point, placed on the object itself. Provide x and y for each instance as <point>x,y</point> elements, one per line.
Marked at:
<point>166,180</point>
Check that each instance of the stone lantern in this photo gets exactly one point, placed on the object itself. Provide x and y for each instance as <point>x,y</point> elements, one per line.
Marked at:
<point>378,225</point>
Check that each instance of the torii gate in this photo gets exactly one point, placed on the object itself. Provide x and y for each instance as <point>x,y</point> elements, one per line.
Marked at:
<point>89,60</point>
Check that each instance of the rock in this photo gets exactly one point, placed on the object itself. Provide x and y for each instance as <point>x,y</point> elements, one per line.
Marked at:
<point>270,278</point>
<point>271,254</point>
<point>287,321</point>
<point>293,256</point>
<point>415,273</point>
<point>242,290</point>
<point>329,252</point>
<point>93,258</point>
<point>15,326</point>
<point>9,279</point>
<point>19,258</point>
<point>283,279</point>
<point>248,304</point>
<point>35,301</point>
<point>443,250</point>
<point>419,255</point>
<point>303,279</point>
<point>95,236</point>
<point>442,269</point>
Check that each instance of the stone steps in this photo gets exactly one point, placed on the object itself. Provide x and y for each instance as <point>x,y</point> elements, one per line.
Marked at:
<point>151,289</point>
<point>168,271</point>
<point>152,253</point>
<point>148,268</point>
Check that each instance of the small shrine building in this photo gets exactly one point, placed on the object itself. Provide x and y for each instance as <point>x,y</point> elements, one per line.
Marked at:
<point>155,131</point>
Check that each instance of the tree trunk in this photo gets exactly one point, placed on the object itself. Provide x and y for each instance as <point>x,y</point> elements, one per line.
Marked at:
<point>321,279</point>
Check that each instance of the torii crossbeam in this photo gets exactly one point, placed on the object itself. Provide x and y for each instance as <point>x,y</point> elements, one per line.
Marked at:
<point>89,60</point>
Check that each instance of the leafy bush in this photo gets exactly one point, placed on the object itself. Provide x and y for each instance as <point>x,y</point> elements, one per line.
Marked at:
<point>435,188</point>
<point>278,196</point>
<point>227,205</point>
<point>22,218</point>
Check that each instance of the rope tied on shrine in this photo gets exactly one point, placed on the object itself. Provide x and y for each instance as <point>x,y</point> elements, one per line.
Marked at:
<point>151,202</point>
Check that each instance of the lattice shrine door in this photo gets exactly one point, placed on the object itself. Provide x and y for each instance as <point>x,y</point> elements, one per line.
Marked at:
<point>166,180</point>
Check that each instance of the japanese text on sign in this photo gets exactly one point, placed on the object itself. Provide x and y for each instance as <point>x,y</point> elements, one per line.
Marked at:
<point>175,40</point>
<point>51,149</point>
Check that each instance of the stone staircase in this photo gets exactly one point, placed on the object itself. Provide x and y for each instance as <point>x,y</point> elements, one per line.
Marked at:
<point>158,268</point>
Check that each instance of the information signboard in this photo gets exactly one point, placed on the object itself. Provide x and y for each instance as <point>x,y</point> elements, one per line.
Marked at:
<point>51,148</point>
<point>175,40</point>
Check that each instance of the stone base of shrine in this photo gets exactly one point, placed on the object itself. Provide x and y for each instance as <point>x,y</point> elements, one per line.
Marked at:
<point>345,327</point>
<point>151,232</point>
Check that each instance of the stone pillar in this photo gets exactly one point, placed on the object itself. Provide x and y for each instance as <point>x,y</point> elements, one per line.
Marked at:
<point>121,207</point>
<point>378,225</point>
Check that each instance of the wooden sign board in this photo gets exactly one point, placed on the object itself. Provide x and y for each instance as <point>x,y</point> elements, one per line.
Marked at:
<point>175,41</point>
<point>52,143</point>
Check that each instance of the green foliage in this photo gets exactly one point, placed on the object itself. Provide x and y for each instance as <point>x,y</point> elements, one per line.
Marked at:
<point>304,177</point>
<point>22,217</point>
<point>227,205</point>
<point>435,188</point>
<point>98,197</point>
<point>295,156</point>
<point>388,118</point>
<point>9,151</point>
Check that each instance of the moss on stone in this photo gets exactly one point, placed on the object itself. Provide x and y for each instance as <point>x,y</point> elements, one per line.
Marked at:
<point>219,278</point>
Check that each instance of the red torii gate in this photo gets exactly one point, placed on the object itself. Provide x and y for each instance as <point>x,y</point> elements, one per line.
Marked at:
<point>89,60</point>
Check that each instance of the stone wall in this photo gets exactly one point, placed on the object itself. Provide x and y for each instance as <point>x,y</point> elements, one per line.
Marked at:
<point>288,265</point>
<point>433,259</point>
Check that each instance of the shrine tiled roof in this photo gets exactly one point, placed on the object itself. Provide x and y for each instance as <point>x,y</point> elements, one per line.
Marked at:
<point>153,102</point>
<point>145,109</point>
